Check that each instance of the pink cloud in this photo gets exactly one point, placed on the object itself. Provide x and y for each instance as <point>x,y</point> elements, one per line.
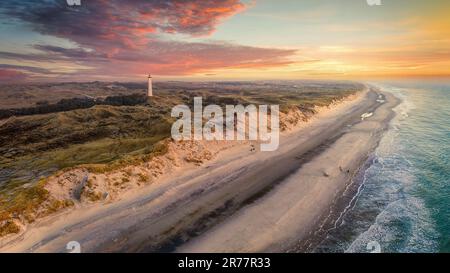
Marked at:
<point>7,76</point>
<point>117,37</point>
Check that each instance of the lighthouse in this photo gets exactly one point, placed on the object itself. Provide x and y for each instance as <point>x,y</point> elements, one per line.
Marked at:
<point>150,88</point>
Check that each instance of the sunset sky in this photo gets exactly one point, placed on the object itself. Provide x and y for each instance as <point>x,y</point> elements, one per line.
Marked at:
<point>123,40</point>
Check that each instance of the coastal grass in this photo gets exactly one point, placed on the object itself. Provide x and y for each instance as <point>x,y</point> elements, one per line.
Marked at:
<point>106,138</point>
<point>22,205</point>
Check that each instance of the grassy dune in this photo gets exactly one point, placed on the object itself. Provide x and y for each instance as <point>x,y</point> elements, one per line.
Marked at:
<point>107,137</point>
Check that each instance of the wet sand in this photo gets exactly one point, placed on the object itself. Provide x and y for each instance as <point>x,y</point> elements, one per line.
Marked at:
<point>242,201</point>
<point>293,212</point>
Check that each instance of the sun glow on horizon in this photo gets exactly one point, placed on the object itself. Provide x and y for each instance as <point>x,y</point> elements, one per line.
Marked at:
<point>221,40</point>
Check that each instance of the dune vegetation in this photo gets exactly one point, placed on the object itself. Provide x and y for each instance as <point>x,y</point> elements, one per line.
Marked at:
<point>104,137</point>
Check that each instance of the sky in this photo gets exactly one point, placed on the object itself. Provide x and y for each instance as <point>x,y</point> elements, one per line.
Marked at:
<point>124,40</point>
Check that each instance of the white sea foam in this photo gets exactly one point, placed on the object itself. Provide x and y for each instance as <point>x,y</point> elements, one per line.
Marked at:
<point>393,236</point>
<point>405,223</point>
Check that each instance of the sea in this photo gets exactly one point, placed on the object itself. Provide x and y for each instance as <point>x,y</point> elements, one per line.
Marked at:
<point>403,201</point>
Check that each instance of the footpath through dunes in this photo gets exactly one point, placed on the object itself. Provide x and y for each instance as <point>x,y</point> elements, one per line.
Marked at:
<point>170,213</point>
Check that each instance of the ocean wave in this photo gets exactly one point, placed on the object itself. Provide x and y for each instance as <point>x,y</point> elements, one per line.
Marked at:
<point>403,226</point>
<point>403,222</point>
<point>387,210</point>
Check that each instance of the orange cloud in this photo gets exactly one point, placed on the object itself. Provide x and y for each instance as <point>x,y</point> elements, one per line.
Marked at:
<point>119,38</point>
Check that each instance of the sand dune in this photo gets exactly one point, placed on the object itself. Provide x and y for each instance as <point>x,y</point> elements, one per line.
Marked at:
<point>239,201</point>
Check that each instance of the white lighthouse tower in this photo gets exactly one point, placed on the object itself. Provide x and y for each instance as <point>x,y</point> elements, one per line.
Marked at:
<point>150,88</point>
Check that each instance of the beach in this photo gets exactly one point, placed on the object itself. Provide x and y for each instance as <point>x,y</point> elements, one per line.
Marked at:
<point>291,215</point>
<point>241,201</point>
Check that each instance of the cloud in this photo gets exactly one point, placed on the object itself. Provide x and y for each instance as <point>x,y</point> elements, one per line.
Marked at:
<point>99,19</point>
<point>123,37</point>
<point>77,53</point>
<point>7,76</point>
<point>25,68</point>
<point>160,57</point>
<point>13,73</point>
<point>179,58</point>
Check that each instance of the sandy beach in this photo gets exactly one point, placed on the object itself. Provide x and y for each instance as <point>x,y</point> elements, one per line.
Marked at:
<point>294,212</point>
<point>241,201</point>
